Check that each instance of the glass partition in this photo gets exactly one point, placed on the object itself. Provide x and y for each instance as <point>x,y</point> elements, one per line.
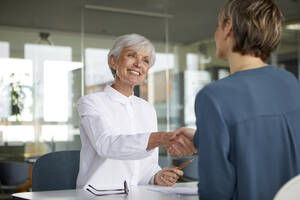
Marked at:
<point>44,71</point>
<point>40,76</point>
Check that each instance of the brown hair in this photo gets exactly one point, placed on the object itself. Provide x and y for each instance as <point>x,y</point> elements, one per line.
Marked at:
<point>256,26</point>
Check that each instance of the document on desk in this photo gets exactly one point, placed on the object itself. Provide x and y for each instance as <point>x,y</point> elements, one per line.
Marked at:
<point>176,191</point>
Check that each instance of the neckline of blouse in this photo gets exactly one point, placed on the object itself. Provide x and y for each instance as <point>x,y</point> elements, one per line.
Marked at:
<point>116,95</point>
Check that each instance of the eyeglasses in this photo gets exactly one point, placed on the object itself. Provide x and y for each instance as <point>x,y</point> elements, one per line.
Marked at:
<point>97,192</point>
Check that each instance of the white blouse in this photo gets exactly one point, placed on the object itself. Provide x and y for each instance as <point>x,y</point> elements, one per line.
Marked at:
<point>114,132</point>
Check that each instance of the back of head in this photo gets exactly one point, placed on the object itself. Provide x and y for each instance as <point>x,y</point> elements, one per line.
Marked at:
<point>256,26</point>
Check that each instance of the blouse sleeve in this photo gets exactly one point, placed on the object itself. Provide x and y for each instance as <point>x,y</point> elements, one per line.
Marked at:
<point>121,147</point>
<point>152,166</point>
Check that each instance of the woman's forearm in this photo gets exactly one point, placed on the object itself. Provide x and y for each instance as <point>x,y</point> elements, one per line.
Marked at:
<point>157,139</point>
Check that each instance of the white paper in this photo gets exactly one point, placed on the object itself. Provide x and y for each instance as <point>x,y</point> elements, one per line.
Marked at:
<point>177,191</point>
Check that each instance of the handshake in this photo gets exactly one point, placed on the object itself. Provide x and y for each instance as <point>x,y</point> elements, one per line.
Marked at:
<point>179,142</point>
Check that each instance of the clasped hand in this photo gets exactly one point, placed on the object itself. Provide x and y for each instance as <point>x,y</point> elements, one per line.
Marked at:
<point>180,142</point>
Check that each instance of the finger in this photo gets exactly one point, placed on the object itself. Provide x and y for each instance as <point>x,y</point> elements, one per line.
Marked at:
<point>170,150</point>
<point>189,133</point>
<point>176,171</point>
<point>161,179</point>
<point>178,132</point>
<point>171,174</point>
<point>188,144</point>
<point>179,151</point>
<point>170,178</point>
<point>169,138</point>
<point>194,149</point>
<point>182,145</point>
<point>166,181</point>
<point>174,134</point>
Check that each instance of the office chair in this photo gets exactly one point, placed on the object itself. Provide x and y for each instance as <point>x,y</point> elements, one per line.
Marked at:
<point>13,175</point>
<point>290,190</point>
<point>56,171</point>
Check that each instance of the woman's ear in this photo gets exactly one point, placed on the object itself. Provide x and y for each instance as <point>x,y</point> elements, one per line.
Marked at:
<point>113,62</point>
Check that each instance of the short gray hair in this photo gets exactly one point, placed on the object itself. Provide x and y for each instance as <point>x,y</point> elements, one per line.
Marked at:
<point>135,40</point>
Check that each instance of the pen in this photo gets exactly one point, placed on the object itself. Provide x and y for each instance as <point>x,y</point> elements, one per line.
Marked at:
<point>185,164</point>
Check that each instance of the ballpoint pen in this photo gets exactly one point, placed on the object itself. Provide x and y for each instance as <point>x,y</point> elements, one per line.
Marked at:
<point>185,164</point>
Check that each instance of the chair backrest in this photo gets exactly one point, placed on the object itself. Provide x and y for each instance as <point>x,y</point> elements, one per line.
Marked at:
<point>290,190</point>
<point>56,171</point>
<point>13,174</point>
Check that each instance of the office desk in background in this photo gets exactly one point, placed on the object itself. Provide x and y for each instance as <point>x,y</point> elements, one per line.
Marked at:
<point>135,193</point>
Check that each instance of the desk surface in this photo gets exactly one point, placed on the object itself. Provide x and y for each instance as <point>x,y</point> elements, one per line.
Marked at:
<point>136,193</point>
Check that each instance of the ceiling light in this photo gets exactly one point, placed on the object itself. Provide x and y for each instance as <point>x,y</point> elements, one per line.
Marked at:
<point>295,26</point>
<point>44,38</point>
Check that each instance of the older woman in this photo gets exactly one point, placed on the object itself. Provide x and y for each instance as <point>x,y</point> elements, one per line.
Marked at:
<point>118,129</point>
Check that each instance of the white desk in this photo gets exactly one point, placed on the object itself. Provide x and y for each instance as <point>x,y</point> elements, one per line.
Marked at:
<point>135,193</point>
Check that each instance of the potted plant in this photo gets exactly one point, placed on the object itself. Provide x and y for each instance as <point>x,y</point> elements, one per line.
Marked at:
<point>17,98</point>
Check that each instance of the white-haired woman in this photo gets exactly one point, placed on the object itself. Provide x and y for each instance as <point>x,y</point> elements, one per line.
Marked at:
<point>119,130</point>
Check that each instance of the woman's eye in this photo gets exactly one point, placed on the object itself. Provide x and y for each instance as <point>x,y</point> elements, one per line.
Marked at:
<point>130,55</point>
<point>146,61</point>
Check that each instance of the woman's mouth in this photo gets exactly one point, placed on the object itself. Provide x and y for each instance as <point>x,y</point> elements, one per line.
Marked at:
<point>134,72</point>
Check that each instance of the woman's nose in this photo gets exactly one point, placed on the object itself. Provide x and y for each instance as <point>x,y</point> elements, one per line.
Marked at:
<point>137,62</point>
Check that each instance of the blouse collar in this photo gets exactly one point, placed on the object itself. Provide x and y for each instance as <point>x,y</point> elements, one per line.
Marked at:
<point>117,96</point>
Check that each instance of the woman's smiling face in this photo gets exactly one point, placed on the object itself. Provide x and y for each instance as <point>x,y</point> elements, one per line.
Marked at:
<point>132,66</point>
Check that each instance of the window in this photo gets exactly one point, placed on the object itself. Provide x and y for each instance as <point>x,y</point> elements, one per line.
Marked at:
<point>20,133</point>
<point>16,74</point>
<point>4,49</point>
<point>54,133</point>
<point>57,88</point>
<point>97,69</point>
<point>163,62</point>
<point>41,54</point>
<point>158,82</point>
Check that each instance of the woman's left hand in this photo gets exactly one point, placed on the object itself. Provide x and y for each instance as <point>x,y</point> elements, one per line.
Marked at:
<point>167,176</point>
